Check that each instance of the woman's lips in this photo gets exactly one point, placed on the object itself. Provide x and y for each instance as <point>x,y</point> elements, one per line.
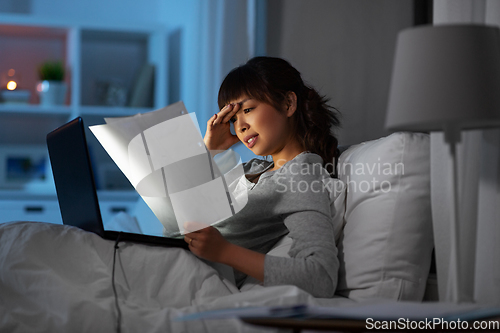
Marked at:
<point>251,140</point>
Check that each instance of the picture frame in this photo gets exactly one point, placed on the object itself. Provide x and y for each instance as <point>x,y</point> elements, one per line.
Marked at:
<point>24,165</point>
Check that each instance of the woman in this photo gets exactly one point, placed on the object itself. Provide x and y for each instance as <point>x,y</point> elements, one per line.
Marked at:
<point>275,114</point>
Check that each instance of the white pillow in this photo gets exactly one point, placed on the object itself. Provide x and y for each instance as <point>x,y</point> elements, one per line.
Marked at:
<point>386,245</point>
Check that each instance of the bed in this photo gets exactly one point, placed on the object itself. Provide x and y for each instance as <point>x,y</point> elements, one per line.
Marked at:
<point>58,278</point>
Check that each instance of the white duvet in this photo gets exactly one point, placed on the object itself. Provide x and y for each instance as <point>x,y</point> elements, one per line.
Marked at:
<point>55,278</point>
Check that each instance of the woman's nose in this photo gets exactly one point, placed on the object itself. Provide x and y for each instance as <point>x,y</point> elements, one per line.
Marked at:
<point>242,125</point>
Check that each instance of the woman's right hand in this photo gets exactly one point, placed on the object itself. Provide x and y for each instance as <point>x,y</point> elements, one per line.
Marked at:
<point>218,135</point>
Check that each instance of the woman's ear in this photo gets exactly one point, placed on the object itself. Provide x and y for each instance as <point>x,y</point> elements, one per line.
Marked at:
<point>291,103</point>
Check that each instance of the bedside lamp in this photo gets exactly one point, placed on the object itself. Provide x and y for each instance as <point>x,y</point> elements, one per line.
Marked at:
<point>446,78</point>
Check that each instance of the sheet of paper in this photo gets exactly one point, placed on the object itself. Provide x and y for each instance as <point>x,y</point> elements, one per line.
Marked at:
<point>163,155</point>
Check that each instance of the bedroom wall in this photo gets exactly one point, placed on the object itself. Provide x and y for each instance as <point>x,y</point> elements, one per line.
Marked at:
<point>345,49</point>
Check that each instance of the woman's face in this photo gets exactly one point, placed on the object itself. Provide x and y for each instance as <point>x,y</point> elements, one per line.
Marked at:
<point>262,128</point>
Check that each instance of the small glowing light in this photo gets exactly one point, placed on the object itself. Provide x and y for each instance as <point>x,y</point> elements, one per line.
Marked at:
<point>11,72</point>
<point>11,85</point>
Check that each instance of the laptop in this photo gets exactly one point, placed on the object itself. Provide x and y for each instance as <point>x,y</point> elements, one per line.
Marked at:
<point>76,189</point>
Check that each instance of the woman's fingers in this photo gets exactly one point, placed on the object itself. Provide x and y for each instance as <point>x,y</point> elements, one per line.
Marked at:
<point>211,121</point>
<point>231,113</point>
<point>220,116</point>
<point>226,113</point>
<point>208,243</point>
<point>218,135</point>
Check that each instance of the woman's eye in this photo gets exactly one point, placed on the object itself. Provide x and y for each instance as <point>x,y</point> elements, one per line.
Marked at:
<point>247,110</point>
<point>232,120</point>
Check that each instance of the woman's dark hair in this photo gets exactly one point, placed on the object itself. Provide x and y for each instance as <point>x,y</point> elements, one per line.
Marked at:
<point>269,80</point>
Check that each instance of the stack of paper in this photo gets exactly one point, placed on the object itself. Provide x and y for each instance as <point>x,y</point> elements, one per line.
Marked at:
<point>163,155</point>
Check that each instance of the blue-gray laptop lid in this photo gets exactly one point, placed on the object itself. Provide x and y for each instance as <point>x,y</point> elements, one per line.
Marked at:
<point>76,189</point>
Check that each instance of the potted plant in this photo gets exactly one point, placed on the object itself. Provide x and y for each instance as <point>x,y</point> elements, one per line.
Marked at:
<point>52,88</point>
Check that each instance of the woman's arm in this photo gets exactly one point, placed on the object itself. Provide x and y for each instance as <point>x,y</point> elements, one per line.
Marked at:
<point>208,243</point>
<point>312,266</point>
<point>313,263</point>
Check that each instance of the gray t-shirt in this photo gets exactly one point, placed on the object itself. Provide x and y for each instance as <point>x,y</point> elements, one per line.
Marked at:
<point>291,200</point>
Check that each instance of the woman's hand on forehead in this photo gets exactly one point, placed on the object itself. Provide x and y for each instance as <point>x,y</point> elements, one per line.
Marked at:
<point>227,113</point>
<point>218,135</point>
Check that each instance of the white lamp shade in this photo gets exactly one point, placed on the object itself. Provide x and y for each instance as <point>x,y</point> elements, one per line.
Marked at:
<point>445,75</point>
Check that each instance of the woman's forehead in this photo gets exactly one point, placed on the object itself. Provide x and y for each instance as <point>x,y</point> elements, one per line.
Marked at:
<point>241,100</point>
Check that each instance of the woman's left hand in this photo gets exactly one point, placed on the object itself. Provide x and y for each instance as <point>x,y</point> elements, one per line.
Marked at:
<point>207,243</point>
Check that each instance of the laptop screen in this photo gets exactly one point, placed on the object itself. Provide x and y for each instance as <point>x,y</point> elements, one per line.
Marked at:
<point>73,177</point>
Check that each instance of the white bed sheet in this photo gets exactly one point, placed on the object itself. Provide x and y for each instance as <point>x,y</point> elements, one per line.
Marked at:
<point>58,278</point>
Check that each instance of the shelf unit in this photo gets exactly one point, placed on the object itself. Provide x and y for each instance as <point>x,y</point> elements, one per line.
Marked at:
<point>93,55</point>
